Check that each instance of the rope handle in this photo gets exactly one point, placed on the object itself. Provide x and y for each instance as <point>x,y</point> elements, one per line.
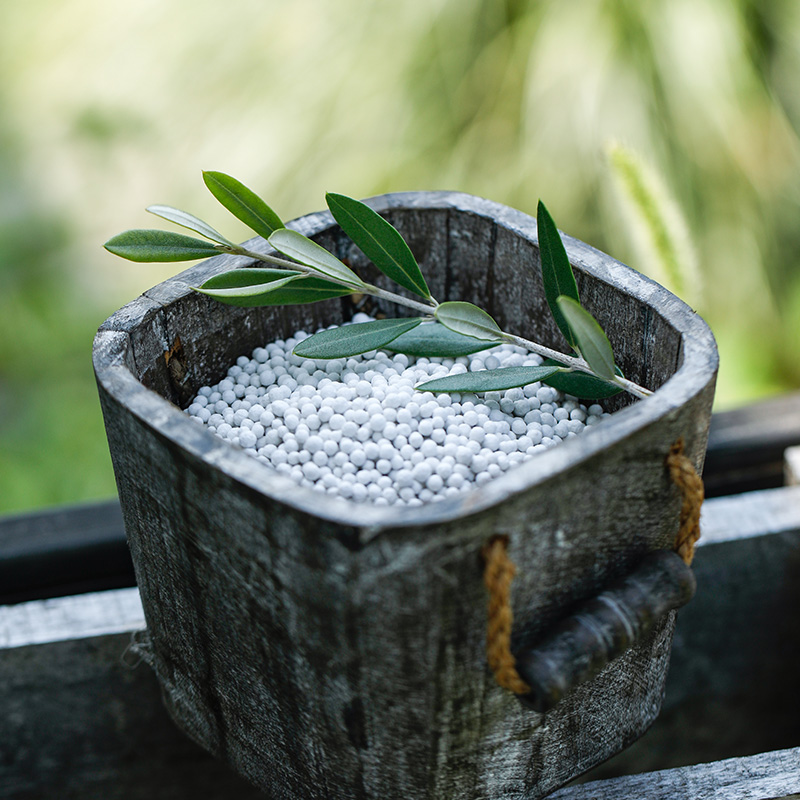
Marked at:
<point>690,484</point>
<point>498,574</point>
<point>499,570</point>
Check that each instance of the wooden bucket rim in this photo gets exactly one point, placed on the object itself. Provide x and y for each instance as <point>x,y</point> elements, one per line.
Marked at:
<point>698,369</point>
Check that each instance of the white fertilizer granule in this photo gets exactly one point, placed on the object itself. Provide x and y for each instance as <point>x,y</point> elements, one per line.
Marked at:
<point>356,427</point>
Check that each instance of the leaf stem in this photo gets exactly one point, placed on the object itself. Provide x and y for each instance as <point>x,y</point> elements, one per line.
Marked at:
<point>363,288</point>
<point>574,363</point>
<point>294,266</point>
<point>424,308</point>
<point>632,388</point>
<point>427,309</point>
<point>568,361</point>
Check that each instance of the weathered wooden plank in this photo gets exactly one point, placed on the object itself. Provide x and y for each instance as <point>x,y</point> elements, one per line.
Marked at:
<point>63,551</point>
<point>746,445</point>
<point>760,777</point>
<point>75,617</point>
<point>79,722</point>
<point>749,515</point>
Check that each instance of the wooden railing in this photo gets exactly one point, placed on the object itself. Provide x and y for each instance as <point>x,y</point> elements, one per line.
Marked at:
<point>77,720</point>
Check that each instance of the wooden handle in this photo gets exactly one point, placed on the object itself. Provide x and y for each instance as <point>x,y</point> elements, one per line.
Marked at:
<point>581,645</point>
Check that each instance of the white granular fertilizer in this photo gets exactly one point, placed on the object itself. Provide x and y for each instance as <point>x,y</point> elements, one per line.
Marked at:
<point>356,427</point>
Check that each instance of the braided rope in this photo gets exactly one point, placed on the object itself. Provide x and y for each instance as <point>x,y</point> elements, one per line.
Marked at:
<point>499,570</point>
<point>498,574</point>
<point>685,477</point>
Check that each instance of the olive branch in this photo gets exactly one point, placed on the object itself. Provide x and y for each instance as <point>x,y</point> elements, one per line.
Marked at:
<point>305,272</point>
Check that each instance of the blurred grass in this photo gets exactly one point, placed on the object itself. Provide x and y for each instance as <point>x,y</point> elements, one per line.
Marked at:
<point>108,107</point>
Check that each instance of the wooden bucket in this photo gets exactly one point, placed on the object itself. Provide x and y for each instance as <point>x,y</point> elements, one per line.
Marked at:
<point>332,650</point>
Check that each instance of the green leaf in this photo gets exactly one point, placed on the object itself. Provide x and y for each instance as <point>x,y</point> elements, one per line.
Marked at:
<point>189,221</point>
<point>591,341</point>
<point>468,320</point>
<point>298,291</point>
<point>380,242</point>
<point>243,278</point>
<point>245,295</point>
<point>305,290</point>
<point>244,204</point>
<point>432,339</point>
<point>245,284</point>
<point>352,340</point>
<point>152,245</point>
<point>581,384</point>
<point>302,249</point>
<point>488,380</point>
<point>557,275</point>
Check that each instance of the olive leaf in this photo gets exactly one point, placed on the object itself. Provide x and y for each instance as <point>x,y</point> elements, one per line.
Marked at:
<point>189,221</point>
<point>379,240</point>
<point>146,245</point>
<point>488,380</point>
<point>299,292</point>
<point>591,341</point>
<point>302,249</point>
<point>468,320</point>
<point>581,384</point>
<point>432,339</point>
<point>245,284</point>
<point>265,287</point>
<point>352,340</point>
<point>557,275</point>
<point>457,328</point>
<point>244,204</point>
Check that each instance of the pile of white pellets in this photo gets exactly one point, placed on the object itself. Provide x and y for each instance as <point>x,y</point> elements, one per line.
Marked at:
<point>356,427</point>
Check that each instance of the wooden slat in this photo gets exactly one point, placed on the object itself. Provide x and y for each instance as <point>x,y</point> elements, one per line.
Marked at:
<point>77,722</point>
<point>760,777</point>
<point>746,445</point>
<point>67,618</point>
<point>63,551</point>
<point>76,718</point>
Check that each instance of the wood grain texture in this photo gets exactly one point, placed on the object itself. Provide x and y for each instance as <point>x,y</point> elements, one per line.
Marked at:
<point>78,723</point>
<point>74,617</point>
<point>328,650</point>
<point>766,527</point>
<point>767,776</point>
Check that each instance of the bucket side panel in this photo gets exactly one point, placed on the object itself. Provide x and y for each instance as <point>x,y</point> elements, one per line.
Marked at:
<point>249,614</point>
<point>424,623</point>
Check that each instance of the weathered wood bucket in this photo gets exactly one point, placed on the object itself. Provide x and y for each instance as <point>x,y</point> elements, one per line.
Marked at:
<point>333,650</point>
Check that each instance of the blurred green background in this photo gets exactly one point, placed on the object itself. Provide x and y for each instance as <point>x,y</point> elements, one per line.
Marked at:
<point>616,113</point>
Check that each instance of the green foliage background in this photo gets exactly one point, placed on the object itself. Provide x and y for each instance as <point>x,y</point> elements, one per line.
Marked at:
<point>106,107</point>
